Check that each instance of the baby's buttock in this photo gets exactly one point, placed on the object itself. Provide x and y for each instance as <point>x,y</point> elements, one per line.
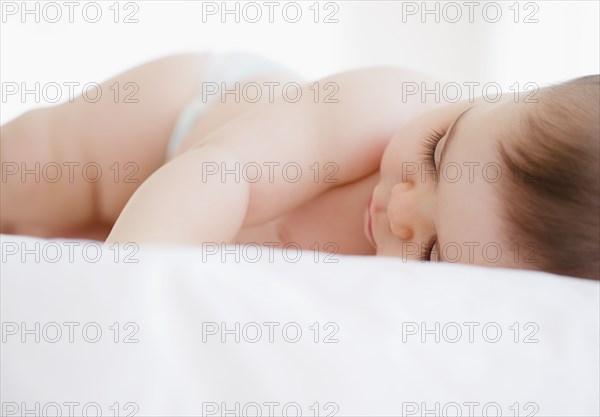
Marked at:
<point>231,85</point>
<point>221,110</point>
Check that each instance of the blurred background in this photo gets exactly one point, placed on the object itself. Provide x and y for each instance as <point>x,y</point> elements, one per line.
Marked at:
<point>503,42</point>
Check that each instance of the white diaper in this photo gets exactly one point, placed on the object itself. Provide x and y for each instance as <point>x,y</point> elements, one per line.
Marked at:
<point>221,68</point>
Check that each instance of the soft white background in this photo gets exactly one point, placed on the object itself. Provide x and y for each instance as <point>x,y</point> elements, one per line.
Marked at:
<point>561,45</point>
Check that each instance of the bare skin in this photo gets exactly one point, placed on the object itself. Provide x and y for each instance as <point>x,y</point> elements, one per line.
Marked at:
<point>103,132</point>
<point>372,127</point>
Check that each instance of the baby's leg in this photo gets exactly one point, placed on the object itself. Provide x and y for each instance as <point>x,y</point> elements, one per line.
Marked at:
<point>126,140</point>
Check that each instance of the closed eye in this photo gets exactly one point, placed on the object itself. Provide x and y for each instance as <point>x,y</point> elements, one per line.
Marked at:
<point>430,144</point>
<point>426,253</point>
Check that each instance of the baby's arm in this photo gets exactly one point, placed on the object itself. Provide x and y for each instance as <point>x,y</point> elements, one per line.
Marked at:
<point>176,205</point>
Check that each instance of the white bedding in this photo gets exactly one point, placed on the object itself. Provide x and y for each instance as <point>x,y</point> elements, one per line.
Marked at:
<point>367,304</point>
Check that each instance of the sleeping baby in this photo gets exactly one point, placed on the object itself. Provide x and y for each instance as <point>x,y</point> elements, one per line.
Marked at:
<point>234,148</point>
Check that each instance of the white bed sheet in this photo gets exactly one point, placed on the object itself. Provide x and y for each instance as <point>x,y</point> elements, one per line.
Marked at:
<point>362,302</point>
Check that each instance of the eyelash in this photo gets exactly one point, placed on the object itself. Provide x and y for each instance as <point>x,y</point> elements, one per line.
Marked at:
<point>426,254</point>
<point>430,144</point>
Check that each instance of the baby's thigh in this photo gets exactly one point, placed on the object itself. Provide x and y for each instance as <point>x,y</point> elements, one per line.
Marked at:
<point>128,137</point>
<point>97,152</point>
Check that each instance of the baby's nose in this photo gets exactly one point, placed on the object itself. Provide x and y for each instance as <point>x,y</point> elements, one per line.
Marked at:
<point>406,211</point>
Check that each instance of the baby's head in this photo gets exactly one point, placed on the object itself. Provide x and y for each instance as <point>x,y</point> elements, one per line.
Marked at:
<point>511,184</point>
<point>556,155</point>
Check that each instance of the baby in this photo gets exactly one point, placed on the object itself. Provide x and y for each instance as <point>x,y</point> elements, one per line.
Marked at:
<point>205,150</point>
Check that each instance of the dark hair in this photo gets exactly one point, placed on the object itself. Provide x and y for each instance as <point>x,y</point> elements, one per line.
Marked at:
<point>553,197</point>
